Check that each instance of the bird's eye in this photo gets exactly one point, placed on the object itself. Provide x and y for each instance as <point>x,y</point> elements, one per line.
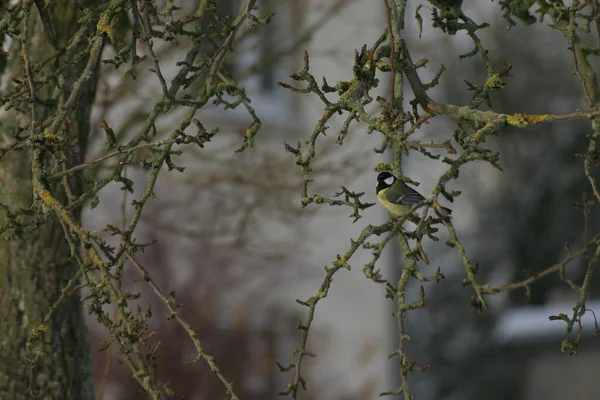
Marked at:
<point>389,181</point>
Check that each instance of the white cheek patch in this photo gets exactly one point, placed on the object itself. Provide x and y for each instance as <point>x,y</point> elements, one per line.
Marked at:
<point>389,181</point>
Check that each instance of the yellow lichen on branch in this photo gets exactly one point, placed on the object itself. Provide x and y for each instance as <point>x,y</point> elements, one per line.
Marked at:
<point>523,120</point>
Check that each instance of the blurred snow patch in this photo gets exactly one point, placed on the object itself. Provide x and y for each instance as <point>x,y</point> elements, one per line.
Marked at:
<point>532,324</point>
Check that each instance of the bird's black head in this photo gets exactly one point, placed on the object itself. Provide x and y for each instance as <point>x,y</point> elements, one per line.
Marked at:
<point>385,180</point>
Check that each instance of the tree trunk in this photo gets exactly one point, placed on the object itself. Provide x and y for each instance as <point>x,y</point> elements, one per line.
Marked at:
<point>35,258</point>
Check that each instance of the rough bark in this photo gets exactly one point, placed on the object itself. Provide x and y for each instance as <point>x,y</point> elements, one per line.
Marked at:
<point>35,258</point>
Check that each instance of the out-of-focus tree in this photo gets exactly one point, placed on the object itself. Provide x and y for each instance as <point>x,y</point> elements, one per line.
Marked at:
<point>105,104</point>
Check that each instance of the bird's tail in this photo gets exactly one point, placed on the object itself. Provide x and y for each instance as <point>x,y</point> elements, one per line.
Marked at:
<point>446,209</point>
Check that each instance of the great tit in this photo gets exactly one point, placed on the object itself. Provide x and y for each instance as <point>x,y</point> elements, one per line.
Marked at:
<point>397,196</point>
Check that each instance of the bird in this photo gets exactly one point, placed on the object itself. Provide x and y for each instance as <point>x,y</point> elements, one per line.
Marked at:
<point>397,196</point>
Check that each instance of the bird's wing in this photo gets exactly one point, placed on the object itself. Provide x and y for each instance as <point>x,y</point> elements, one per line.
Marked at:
<point>408,199</point>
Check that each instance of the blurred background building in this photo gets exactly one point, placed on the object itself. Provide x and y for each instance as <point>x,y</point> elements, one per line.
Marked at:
<point>238,250</point>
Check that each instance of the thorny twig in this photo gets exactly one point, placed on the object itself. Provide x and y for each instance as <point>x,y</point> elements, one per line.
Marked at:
<point>47,135</point>
<point>474,126</point>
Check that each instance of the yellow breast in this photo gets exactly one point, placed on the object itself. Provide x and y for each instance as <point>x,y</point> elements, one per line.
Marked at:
<point>395,209</point>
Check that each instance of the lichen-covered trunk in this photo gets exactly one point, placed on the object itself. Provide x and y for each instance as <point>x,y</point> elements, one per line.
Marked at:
<point>36,263</point>
<point>33,270</point>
